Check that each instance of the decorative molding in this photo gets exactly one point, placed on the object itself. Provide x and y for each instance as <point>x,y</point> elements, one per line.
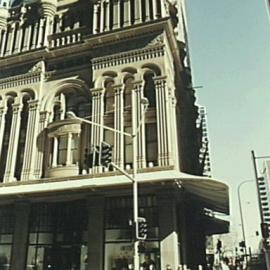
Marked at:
<point>128,57</point>
<point>19,80</point>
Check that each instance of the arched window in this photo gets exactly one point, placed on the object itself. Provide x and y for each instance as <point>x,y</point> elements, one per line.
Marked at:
<point>128,94</point>
<point>22,138</point>
<point>71,100</point>
<point>8,121</point>
<point>151,144</point>
<point>149,90</point>
<point>109,98</point>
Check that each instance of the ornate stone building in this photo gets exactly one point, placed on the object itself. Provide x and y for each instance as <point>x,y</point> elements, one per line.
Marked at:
<point>98,59</point>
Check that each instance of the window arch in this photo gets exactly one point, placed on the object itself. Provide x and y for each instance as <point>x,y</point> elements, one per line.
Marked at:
<point>4,151</point>
<point>109,97</point>
<point>22,137</point>
<point>149,90</point>
<point>128,93</point>
<point>71,99</point>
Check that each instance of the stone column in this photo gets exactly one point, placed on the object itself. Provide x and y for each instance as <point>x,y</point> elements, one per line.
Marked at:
<point>19,248</point>
<point>69,153</point>
<point>2,125</point>
<point>34,34</point>
<point>31,138</point>
<point>147,10</point>
<point>138,11</point>
<point>127,13</point>
<point>13,143</point>
<point>11,38</point>
<point>41,138</point>
<point>119,125</point>
<point>155,10</point>
<point>96,209</point>
<point>106,16</point>
<point>163,122</point>
<point>3,43</point>
<point>41,30</point>
<point>102,16</point>
<point>27,38</point>
<point>137,109</point>
<point>168,234</point>
<point>97,117</point>
<point>18,41</point>
<point>116,14</point>
<point>96,26</point>
<point>55,152</point>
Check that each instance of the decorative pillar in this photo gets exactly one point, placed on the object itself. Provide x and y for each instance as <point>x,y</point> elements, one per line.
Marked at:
<point>127,13</point>
<point>13,142</point>
<point>137,110</point>
<point>2,126</point>
<point>97,117</point>
<point>168,230</point>
<point>31,138</point>
<point>106,16</point>
<point>69,153</point>
<point>96,26</point>
<point>147,10</point>
<point>3,43</point>
<point>19,247</point>
<point>35,35</point>
<point>55,151</point>
<point>11,38</point>
<point>163,122</point>
<point>41,138</point>
<point>102,16</point>
<point>18,41</point>
<point>156,15</point>
<point>40,30</point>
<point>116,14</point>
<point>119,125</point>
<point>137,11</point>
<point>27,38</point>
<point>96,208</point>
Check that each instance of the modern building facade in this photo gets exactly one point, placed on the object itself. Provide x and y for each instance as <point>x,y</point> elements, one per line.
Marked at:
<point>98,59</point>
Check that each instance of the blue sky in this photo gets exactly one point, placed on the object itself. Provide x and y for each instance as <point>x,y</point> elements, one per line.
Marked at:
<point>230,55</point>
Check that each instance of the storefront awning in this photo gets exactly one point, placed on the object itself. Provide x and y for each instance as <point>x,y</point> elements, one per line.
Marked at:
<point>213,192</point>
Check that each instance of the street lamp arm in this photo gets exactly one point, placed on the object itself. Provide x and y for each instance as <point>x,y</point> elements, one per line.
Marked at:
<point>72,115</point>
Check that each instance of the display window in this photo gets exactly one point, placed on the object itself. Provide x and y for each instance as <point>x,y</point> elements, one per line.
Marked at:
<point>119,236</point>
<point>58,237</point>
<point>7,221</point>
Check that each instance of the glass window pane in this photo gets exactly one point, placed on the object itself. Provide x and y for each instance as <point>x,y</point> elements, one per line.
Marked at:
<point>5,253</point>
<point>62,150</point>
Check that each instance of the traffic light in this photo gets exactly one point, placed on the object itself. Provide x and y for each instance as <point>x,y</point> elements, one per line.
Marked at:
<point>106,154</point>
<point>141,228</point>
<point>265,230</point>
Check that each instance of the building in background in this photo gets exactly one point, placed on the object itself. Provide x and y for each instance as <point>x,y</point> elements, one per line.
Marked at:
<point>264,193</point>
<point>98,59</point>
<point>204,156</point>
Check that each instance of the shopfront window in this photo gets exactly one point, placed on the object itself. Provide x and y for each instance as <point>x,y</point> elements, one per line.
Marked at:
<point>58,237</point>
<point>6,236</point>
<point>118,233</point>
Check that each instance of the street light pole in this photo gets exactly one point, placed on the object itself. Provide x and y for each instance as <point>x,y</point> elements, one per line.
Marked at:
<point>241,213</point>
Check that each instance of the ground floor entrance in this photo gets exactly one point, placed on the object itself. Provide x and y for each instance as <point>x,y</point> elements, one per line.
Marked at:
<point>95,232</point>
